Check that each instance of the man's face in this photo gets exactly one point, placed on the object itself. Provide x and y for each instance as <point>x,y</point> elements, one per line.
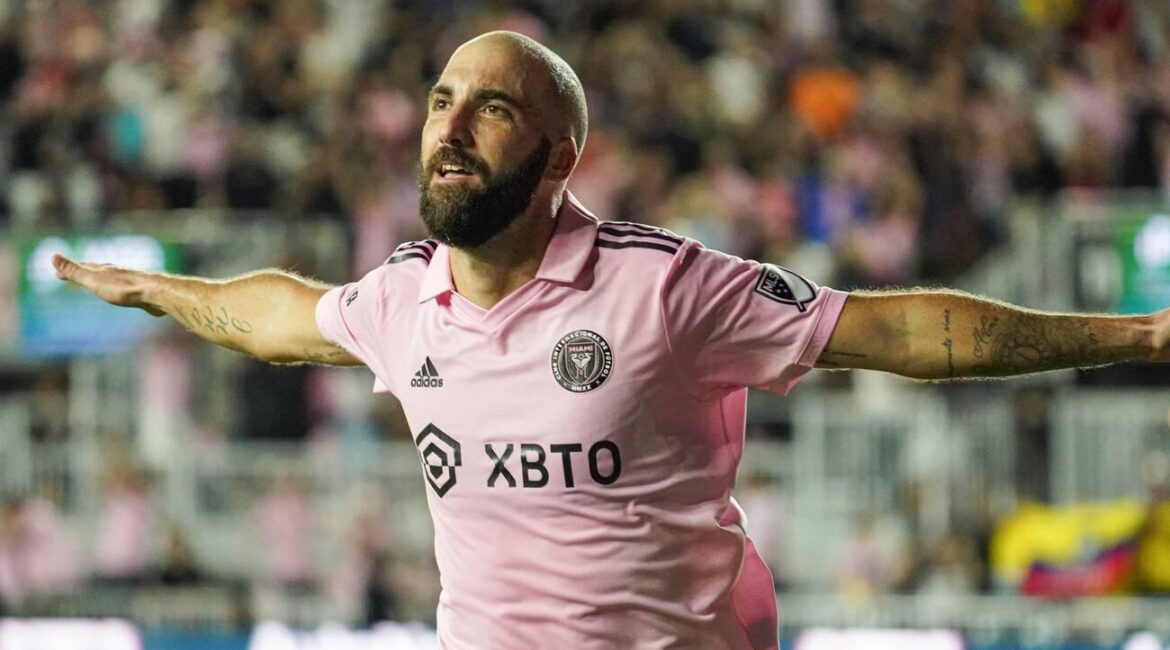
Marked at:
<point>484,151</point>
<point>465,216</point>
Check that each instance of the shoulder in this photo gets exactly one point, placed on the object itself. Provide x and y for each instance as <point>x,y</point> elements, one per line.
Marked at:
<point>636,241</point>
<point>422,251</point>
<point>396,279</point>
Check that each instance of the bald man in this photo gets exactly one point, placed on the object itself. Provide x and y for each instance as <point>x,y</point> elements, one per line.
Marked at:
<point>576,387</point>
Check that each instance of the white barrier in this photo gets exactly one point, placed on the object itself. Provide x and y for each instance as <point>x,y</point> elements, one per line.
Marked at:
<point>384,636</point>
<point>68,634</point>
<point>874,639</point>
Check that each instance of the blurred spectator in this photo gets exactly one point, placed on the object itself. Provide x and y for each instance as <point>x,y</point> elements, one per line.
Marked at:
<point>12,583</point>
<point>875,561</point>
<point>123,543</point>
<point>50,557</point>
<point>287,524</point>
<point>49,407</point>
<point>361,585</point>
<point>37,556</point>
<point>951,568</point>
<point>825,95</point>
<point>179,567</point>
<point>1152,564</point>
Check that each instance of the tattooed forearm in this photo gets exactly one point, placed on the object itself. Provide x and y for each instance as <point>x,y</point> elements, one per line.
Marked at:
<point>1033,343</point>
<point>839,354</point>
<point>948,343</point>
<point>982,334</point>
<point>950,346</point>
<point>205,320</point>
<point>327,358</point>
<point>939,335</point>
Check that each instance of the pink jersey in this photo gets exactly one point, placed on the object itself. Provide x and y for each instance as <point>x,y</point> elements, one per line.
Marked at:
<point>580,439</point>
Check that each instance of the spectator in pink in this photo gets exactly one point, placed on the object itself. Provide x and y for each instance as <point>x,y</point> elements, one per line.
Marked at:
<point>287,523</point>
<point>122,547</point>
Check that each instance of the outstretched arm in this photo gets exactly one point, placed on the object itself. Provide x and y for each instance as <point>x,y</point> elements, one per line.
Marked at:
<point>945,334</point>
<point>270,315</point>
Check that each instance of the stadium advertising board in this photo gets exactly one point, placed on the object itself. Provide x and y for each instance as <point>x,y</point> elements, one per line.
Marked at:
<point>878,639</point>
<point>60,319</point>
<point>68,634</point>
<point>384,636</point>
<point>1143,247</point>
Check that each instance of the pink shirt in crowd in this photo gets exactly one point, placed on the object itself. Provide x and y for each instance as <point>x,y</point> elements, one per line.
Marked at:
<point>580,439</point>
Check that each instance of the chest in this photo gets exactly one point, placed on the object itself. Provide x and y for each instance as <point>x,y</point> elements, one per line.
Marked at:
<point>563,393</point>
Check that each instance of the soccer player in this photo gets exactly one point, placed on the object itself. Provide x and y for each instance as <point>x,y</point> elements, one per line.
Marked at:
<point>576,387</point>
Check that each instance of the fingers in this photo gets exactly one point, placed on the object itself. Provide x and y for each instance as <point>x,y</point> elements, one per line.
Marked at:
<point>66,268</point>
<point>86,275</point>
<point>59,265</point>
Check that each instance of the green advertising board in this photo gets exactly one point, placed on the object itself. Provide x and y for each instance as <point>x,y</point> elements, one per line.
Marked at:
<point>1142,242</point>
<point>62,319</point>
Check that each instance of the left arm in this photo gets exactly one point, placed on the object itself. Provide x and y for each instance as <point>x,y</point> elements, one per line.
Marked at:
<point>946,335</point>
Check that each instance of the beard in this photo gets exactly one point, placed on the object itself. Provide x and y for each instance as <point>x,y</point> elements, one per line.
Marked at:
<point>466,217</point>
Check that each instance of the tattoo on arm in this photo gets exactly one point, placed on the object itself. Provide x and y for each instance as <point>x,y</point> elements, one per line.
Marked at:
<point>1030,343</point>
<point>948,343</point>
<point>838,358</point>
<point>324,357</point>
<point>209,321</point>
<point>983,334</point>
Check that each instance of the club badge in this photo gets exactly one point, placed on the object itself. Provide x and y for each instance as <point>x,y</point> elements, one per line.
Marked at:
<point>581,361</point>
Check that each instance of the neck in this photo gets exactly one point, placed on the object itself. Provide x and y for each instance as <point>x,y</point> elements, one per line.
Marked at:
<point>487,274</point>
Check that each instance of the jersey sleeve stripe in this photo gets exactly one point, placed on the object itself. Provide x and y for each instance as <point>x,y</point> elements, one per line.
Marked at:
<point>425,246</point>
<point>605,243</point>
<point>402,257</point>
<point>628,232</point>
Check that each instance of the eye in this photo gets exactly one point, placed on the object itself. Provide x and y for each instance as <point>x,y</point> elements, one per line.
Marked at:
<point>439,104</point>
<point>494,110</point>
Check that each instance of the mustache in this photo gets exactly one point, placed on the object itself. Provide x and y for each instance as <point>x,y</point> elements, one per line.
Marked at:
<point>453,156</point>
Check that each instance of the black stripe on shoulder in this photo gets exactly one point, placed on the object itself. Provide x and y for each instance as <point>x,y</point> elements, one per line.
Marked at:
<point>605,243</point>
<point>402,257</point>
<point>631,228</point>
<point>424,249</point>
<point>626,232</point>
<point>426,246</point>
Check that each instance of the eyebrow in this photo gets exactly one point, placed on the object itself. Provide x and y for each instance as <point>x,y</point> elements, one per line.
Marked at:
<point>484,95</point>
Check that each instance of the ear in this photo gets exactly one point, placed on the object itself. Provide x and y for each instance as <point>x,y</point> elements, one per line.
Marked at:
<point>562,159</point>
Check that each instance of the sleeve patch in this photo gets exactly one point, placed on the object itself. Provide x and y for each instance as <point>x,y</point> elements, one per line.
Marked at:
<point>784,286</point>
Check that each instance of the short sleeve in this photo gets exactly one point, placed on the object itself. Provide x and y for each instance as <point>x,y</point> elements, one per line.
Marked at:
<point>348,316</point>
<point>733,323</point>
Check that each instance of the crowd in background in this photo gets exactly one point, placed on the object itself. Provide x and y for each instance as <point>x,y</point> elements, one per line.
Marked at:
<point>877,141</point>
<point>864,142</point>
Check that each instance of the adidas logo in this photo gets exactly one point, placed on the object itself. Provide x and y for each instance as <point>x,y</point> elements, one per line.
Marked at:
<point>427,376</point>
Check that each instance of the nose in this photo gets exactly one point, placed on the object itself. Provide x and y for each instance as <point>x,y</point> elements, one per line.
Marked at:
<point>455,129</point>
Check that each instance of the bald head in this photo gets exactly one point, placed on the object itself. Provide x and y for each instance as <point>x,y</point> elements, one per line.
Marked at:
<point>565,93</point>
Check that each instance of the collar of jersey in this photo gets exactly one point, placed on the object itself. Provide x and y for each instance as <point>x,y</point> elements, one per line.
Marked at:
<point>568,252</point>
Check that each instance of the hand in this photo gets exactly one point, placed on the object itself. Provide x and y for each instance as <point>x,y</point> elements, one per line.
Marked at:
<point>113,284</point>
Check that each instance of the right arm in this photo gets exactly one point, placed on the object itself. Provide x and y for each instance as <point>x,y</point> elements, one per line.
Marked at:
<point>270,315</point>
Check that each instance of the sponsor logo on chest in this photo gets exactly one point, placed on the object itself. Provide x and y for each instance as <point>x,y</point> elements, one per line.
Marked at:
<point>525,465</point>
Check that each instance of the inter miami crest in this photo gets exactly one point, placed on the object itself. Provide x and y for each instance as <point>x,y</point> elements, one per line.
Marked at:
<point>581,361</point>
<point>440,456</point>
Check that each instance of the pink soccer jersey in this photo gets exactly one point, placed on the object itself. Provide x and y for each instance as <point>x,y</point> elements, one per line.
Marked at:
<point>580,439</point>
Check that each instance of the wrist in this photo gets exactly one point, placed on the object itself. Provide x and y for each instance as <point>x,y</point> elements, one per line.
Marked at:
<point>151,292</point>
